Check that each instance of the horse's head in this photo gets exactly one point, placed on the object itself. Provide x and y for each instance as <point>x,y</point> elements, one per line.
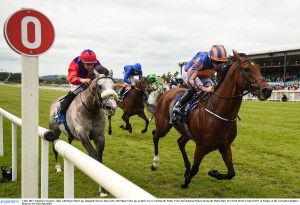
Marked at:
<point>144,85</point>
<point>251,78</point>
<point>106,95</point>
<point>155,95</point>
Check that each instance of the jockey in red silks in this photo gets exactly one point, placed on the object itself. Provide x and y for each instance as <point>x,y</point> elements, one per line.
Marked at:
<point>80,75</point>
<point>130,72</point>
<point>199,71</point>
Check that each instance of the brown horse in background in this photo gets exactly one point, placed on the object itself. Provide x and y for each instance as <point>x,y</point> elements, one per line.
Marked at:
<point>133,103</point>
<point>212,123</point>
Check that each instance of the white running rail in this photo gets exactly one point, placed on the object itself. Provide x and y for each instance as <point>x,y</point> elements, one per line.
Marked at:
<point>115,184</point>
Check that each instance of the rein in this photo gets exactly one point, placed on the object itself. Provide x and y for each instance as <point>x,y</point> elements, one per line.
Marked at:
<point>249,82</point>
<point>142,89</point>
<point>218,116</point>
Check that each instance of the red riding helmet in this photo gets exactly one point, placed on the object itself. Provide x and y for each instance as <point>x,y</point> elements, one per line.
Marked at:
<point>88,56</point>
<point>217,53</point>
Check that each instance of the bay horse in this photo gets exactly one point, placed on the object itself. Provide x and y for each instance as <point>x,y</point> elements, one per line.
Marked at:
<point>86,117</point>
<point>212,123</point>
<point>133,103</point>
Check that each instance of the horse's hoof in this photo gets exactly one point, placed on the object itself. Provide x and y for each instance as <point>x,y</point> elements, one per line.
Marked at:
<point>153,168</point>
<point>122,126</point>
<point>184,186</point>
<point>212,173</point>
<point>109,132</point>
<point>103,194</point>
<point>130,130</point>
<point>143,131</point>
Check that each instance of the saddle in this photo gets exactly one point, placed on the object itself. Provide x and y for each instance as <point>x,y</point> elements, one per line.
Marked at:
<point>186,110</point>
<point>127,89</point>
<point>187,107</point>
<point>62,119</point>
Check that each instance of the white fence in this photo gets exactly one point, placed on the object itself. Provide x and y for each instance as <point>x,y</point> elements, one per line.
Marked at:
<point>117,185</point>
<point>292,95</point>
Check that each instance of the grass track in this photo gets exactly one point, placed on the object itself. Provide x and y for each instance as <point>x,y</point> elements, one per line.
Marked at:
<point>265,155</point>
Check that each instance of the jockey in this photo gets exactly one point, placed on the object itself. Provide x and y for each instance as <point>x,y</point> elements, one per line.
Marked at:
<point>130,72</point>
<point>198,72</point>
<point>154,84</point>
<point>80,75</point>
<point>177,82</point>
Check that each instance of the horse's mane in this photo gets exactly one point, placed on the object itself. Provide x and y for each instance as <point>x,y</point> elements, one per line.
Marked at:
<point>222,72</point>
<point>139,82</point>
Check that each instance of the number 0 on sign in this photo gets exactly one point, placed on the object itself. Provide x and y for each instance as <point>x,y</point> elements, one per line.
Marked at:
<point>29,32</point>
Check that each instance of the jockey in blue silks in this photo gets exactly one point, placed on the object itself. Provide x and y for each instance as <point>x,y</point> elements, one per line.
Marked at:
<point>199,71</point>
<point>130,72</point>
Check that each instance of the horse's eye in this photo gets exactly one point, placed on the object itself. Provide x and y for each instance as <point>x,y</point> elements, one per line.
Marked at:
<point>99,86</point>
<point>247,69</point>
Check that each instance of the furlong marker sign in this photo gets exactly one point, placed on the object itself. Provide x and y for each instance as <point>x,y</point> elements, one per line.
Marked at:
<point>29,33</point>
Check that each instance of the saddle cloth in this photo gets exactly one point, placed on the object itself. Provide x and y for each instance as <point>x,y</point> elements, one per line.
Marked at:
<point>186,110</point>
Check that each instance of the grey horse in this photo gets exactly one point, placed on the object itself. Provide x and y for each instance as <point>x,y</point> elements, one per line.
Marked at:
<point>153,99</point>
<point>86,117</point>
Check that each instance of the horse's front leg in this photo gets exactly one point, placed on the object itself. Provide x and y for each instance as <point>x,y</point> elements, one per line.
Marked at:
<point>143,116</point>
<point>85,141</point>
<point>198,156</point>
<point>100,144</point>
<point>156,159</point>
<point>227,157</point>
<point>57,165</point>
<point>109,125</point>
<point>128,127</point>
<point>181,143</point>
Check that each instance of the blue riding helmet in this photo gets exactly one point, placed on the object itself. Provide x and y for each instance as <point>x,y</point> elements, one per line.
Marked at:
<point>137,67</point>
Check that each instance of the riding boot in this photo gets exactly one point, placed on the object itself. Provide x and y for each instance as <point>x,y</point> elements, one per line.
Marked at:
<point>63,106</point>
<point>182,101</point>
<point>121,93</point>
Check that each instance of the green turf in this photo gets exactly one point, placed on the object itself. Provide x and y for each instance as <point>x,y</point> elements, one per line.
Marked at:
<point>265,155</point>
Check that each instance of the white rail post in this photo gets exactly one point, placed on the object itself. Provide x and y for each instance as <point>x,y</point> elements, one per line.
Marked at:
<point>14,151</point>
<point>44,168</point>
<point>30,140</point>
<point>68,179</point>
<point>1,136</point>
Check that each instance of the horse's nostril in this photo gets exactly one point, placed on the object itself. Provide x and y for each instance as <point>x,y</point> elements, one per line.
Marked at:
<point>266,92</point>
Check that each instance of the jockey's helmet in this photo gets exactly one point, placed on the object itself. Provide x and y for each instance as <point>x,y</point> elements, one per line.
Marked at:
<point>218,53</point>
<point>137,67</point>
<point>152,76</point>
<point>88,56</point>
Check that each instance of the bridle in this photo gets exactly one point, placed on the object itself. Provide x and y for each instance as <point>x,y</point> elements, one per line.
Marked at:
<point>249,90</point>
<point>102,103</point>
<point>249,82</point>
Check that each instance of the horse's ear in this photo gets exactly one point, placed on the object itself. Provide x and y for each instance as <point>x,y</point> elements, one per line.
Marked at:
<point>236,55</point>
<point>96,74</point>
